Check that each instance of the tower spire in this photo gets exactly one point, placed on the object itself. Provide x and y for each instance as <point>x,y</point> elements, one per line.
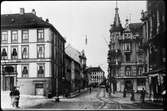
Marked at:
<point>117,24</point>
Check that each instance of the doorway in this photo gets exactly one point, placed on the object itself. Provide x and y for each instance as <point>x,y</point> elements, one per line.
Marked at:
<point>9,83</point>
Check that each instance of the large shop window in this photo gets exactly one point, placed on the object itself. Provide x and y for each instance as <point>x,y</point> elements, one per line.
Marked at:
<point>4,53</point>
<point>41,69</point>
<point>14,36</point>
<point>24,70</point>
<point>4,36</point>
<point>25,36</point>
<point>14,54</point>
<point>40,35</point>
<point>25,52</point>
<point>40,51</point>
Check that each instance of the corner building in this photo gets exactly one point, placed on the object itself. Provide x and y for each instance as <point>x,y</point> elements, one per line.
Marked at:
<point>32,54</point>
<point>125,58</point>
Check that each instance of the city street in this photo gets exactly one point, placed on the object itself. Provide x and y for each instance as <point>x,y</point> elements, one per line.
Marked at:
<point>97,99</point>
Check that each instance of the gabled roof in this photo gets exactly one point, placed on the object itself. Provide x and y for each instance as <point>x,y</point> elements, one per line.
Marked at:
<point>26,20</point>
<point>73,53</point>
<point>95,69</point>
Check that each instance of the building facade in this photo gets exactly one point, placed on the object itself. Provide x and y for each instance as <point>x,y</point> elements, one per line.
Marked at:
<point>32,54</point>
<point>95,75</point>
<point>75,65</point>
<point>154,32</point>
<point>125,58</point>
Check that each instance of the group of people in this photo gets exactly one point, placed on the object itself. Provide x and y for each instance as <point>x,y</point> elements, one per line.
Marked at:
<point>15,96</point>
<point>142,95</point>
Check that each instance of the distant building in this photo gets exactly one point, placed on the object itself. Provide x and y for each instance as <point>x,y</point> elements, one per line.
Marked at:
<point>75,64</point>
<point>95,75</point>
<point>32,54</point>
<point>154,45</point>
<point>125,59</point>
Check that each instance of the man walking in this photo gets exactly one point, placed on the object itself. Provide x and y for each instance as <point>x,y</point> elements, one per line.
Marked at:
<point>143,92</point>
<point>15,96</point>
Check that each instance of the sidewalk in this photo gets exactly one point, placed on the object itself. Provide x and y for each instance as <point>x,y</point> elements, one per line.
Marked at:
<point>31,100</point>
<point>119,98</point>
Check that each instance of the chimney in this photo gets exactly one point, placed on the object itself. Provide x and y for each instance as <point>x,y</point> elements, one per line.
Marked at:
<point>47,20</point>
<point>21,11</point>
<point>33,11</point>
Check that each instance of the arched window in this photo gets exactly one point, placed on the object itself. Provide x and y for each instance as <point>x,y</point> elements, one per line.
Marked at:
<point>41,70</point>
<point>14,53</point>
<point>25,52</point>
<point>25,71</point>
<point>4,53</point>
<point>40,52</point>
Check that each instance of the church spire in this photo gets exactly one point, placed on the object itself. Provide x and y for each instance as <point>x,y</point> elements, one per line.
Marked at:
<point>117,26</point>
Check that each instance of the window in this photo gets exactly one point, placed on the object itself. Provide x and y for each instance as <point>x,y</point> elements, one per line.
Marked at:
<point>40,35</point>
<point>40,71</point>
<point>4,36</point>
<point>14,36</point>
<point>127,57</point>
<point>126,47</point>
<point>14,53</point>
<point>128,71</point>
<point>25,35</point>
<point>24,70</point>
<point>4,54</point>
<point>25,52</point>
<point>140,70</point>
<point>40,51</point>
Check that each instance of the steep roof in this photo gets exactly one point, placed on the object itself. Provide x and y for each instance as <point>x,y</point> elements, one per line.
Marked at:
<point>26,20</point>
<point>73,53</point>
<point>95,69</point>
<point>117,26</point>
<point>136,28</point>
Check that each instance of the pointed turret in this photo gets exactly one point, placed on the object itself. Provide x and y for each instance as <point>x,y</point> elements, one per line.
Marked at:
<point>117,26</point>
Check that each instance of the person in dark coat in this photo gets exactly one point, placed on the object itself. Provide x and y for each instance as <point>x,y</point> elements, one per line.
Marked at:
<point>15,96</point>
<point>124,92</point>
<point>143,92</point>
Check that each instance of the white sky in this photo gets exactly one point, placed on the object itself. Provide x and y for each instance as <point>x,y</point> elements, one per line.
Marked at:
<point>76,19</point>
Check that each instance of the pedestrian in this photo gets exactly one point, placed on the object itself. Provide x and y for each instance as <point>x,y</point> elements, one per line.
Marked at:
<point>90,89</point>
<point>12,96</point>
<point>143,92</point>
<point>124,92</point>
<point>132,96</point>
<point>15,95</point>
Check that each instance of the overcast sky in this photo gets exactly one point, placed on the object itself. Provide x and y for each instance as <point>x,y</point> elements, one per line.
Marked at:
<point>76,19</point>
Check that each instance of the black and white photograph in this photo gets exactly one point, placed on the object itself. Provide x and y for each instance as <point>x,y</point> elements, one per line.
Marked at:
<point>83,55</point>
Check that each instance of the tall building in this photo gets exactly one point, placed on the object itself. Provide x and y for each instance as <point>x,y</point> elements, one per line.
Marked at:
<point>125,58</point>
<point>75,66</point>
<point>154,45</point>
<point>32,54</point>
<point>95,75</point>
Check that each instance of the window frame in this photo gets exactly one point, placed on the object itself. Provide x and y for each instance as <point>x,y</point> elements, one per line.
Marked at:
<point>39,38</point>
<point>22,67</point>
<point>41,75</point>
<point>16,47</point>
<point>4,40</point>
<point>16,39</point>
<point>6,48</point>
<point>23,38</point>
<point>43,48</point>
<point>22,48</point>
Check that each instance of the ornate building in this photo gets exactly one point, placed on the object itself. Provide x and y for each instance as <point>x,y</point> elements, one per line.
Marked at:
<point>95,75</point>
<point>125,58</point>
<point>154,45</point>
<point>32,54</point>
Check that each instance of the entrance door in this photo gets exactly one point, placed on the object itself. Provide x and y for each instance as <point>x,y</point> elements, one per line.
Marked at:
<point>39,89</point>
<point>128,85</point>
<point>9,83</point>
